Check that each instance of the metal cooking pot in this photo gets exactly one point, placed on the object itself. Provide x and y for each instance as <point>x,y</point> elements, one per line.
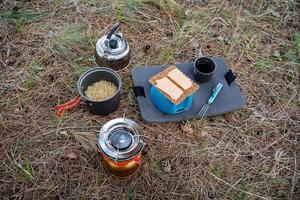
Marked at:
<point>112,50</point>
<point>94,75</point>
<point>95,107</point>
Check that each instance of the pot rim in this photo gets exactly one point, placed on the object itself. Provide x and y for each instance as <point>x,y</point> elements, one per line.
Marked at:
<point>97,69</point>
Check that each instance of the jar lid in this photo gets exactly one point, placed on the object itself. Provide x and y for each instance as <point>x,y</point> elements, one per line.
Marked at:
<point>114,48</point>
<point>120,139</point>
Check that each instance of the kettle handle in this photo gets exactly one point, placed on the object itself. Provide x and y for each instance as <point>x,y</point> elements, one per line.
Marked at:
<point>113,30</point>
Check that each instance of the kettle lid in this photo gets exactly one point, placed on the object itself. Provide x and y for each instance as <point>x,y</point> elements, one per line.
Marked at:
<point>112,46</point>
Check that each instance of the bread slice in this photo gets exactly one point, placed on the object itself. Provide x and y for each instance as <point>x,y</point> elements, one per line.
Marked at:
<point>169,87</point>
<point>180,79</point>
<point>177,78</point>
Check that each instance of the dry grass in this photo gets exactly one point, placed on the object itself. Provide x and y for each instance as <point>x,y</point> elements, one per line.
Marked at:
<point>248,154</point>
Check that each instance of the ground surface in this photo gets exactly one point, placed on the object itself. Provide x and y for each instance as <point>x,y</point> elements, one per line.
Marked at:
<point>248,154</point>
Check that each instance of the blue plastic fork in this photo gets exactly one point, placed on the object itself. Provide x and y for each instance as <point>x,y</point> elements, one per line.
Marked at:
<point>211,99</point>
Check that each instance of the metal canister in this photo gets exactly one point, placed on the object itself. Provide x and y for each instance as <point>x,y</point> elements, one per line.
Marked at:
<point>112,50</point>
<point>120,142</point>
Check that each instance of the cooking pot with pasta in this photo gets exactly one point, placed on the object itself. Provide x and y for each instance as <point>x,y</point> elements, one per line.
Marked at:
<point>100,88</point>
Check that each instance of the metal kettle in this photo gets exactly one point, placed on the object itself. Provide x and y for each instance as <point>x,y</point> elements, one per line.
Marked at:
<point>112,50</point>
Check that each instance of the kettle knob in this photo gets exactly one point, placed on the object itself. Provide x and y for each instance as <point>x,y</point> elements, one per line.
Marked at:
<point>113,44</point>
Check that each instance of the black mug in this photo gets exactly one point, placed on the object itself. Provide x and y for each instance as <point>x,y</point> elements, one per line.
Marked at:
<point>97,74</point>
<point>204,69</point>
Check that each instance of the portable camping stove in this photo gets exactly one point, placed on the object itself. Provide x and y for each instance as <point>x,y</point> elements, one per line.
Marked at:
<point>121,144</point>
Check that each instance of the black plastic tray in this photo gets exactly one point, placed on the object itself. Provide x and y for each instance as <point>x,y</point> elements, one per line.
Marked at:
<point>230,97</point>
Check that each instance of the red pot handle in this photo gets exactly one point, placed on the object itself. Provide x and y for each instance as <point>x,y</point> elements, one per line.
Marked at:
<point>60,109</point>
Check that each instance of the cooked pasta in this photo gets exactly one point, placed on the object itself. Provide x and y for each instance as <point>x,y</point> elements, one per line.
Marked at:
<point>101,90</point>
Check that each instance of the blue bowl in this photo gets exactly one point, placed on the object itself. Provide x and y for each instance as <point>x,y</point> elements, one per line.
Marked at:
<point>166,106</point>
